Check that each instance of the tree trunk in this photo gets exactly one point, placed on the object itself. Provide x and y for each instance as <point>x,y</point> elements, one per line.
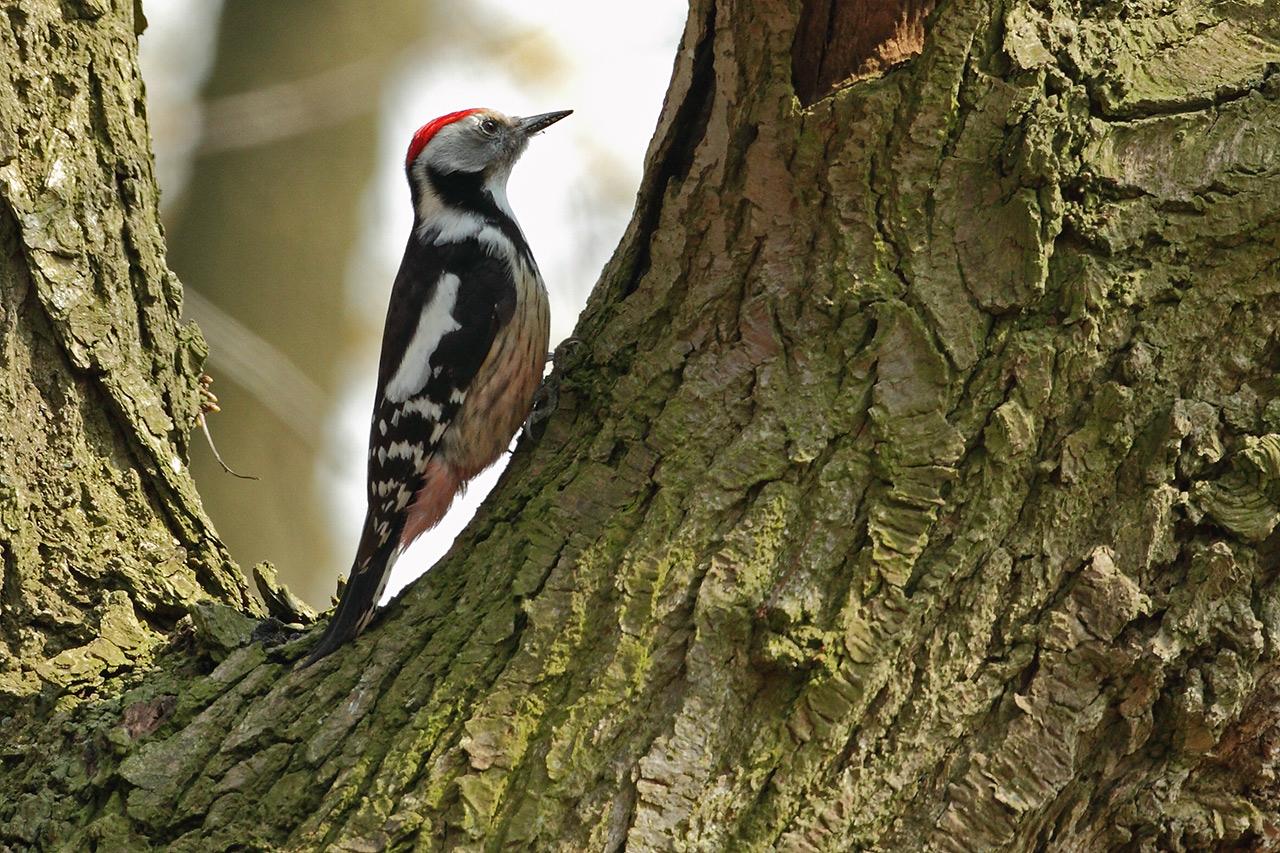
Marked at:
<point>103,539</point>
<point>914,486</point>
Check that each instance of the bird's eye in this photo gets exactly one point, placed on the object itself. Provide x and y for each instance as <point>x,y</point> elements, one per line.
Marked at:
<point>488,127</point>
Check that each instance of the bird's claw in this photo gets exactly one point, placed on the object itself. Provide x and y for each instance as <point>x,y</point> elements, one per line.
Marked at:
<point>545,400</point>
<point>271,632</point>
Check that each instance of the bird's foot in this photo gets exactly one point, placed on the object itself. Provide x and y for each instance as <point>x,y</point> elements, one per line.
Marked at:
<point>545,400</point>
<point>271,632</point>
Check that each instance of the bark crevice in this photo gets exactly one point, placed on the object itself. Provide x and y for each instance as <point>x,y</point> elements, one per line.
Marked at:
<point>840,41</point>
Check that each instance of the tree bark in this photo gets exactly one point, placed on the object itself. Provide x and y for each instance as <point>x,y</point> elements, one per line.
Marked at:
<point>914,486</point>
<point>103,539</point>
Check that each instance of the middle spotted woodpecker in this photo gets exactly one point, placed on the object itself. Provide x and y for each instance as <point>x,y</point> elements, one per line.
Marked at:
<point>463,349</point>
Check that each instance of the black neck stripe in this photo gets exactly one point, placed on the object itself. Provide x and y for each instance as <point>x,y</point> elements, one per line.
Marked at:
<point>466,191</point>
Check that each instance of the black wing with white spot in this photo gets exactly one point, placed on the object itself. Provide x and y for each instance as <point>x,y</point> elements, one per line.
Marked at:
<point>440,327</point>
<point>437,336</point>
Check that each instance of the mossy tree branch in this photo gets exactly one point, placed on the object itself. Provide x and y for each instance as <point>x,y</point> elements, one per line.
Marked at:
<point>916,486</point>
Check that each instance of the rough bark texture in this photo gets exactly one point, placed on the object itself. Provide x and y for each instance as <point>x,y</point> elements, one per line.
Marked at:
<point>103,540</point>
<point>915,487</point>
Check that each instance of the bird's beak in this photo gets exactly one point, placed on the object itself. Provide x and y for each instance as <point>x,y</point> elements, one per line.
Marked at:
<point>536,124</point>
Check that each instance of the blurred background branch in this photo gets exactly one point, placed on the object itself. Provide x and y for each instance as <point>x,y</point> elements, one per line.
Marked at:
<point>330,97</point>
<point>260,369</point>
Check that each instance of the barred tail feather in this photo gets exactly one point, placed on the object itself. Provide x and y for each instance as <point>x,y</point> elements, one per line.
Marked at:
<point>359,601</point>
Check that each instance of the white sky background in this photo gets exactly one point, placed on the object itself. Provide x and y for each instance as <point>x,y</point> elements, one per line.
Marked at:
<point>572,192</point>
<point>176,53</point>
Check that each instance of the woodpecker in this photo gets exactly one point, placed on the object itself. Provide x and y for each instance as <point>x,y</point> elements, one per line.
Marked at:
<point>463,349</point>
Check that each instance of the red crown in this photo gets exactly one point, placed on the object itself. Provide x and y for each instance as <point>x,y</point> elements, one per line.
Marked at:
<point>428,130</point>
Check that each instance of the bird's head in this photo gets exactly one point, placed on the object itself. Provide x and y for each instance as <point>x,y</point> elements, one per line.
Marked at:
<point>481,144</point>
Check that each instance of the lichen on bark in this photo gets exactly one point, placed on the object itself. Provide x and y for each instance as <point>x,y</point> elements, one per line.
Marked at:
<point>915,487</point>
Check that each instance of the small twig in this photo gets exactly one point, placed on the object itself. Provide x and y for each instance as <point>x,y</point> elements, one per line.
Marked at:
<point>260,369</point>
<point>211,405</point>
<point>204,424</point>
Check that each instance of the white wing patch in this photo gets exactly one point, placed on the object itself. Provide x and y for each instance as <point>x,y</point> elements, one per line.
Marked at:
<point>424,406</point>
<point>436,322</point>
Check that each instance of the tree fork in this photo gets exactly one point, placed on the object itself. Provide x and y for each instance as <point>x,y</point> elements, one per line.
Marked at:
<point>915,487</point>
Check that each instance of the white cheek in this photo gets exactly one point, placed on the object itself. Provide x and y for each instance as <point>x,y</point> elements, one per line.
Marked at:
<point>497,186</point>
<point>458,148</point>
